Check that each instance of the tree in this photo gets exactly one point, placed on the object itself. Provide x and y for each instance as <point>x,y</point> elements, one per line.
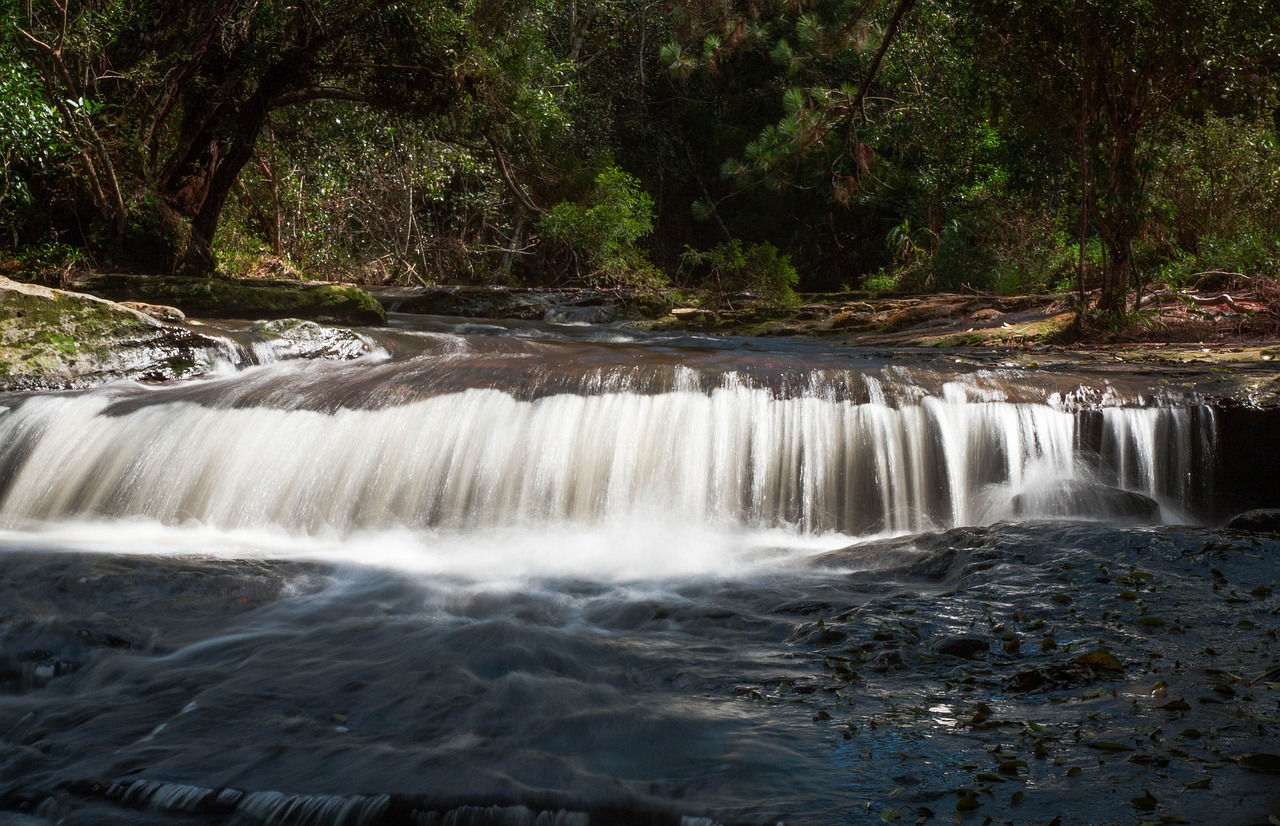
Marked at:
<point>29,134</point>
<point>167,99</point>
<point>1113,76</point>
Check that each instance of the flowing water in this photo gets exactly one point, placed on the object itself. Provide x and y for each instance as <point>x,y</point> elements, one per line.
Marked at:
<point>552,574</point>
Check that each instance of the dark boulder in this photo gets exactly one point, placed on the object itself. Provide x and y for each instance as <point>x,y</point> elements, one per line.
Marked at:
<point>1261,520</point>
<point>1084,500</point>
<point>966,648</point>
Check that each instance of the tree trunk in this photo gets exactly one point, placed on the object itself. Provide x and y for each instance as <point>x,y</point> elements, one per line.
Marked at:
<point>198,184</point>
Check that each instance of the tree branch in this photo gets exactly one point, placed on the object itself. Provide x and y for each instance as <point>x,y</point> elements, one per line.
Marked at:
<point>504,169</point>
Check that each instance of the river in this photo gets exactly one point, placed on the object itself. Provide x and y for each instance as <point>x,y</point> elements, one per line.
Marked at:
<point>551,574</point>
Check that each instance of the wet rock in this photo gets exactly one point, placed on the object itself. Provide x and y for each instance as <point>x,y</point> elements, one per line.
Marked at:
<point>252,299</point>
<point>580,315</point>
<point>560,306</point>
<point>1259,520</point>
<point>1087,500</point>
<point>295,338</point>
<point>54,339</point>
<point>692,314</point>
<point>966,648</point>
<point>157,311</point>
<point>885,660</point>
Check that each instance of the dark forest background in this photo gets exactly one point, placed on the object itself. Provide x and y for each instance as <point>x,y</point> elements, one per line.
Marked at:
<point>736,145</point>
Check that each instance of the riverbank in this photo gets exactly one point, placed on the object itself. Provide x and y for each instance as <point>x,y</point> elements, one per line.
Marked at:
<point>1221,347</point>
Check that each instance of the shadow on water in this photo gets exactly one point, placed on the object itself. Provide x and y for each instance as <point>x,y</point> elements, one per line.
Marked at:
<point>827,688</point>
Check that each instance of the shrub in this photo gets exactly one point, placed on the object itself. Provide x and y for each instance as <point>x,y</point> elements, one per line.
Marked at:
<point>601,233</point>
<point>1216,202</point>
<point>755,269</point>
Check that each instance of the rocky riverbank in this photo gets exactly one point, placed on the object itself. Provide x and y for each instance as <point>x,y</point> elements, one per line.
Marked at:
<point>55,338</point>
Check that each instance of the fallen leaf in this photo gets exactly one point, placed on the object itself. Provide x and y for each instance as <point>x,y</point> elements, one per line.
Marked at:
<point>1102,658</point>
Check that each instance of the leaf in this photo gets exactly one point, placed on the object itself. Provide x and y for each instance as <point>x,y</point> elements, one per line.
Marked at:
<point>1107,745</point>
<point>889,815</point>
<point>1176,705</point>
<point>1202,783</point>
<point>1018,797</point>
<point>1102,658</point>
<point>1146,803</point>
<point>1260,762</point>
<point>1150,622</point>
<point>1074,771</point>
<point>967,804</point>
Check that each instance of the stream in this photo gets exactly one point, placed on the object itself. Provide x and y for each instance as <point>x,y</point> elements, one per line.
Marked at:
<point>525,573</point>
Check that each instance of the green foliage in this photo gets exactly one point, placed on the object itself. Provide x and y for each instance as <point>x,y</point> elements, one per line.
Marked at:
<point>1215,201</point>
<point>733,267</point>
<point>30,138</point>
<point>601,232</point>
<point>881,283</point>
<point>51,256</point>
<point>420,141</point>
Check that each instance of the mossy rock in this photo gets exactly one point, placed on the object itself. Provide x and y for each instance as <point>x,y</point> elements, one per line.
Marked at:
<point>56,339</point>
<point>226,298</point>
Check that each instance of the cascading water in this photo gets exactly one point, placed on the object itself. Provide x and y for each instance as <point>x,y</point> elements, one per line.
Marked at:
<point>733,454</point>
<point>518,575</point>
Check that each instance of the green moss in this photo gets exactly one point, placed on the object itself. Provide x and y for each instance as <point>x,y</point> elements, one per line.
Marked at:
<point>57,333</point>
<point>225,298</point>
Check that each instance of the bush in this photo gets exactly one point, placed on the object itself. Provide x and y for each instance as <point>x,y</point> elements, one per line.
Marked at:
<point>1216,202</point>
<point>601,233</point>
<point>881,283</point>
<point>755,269</point>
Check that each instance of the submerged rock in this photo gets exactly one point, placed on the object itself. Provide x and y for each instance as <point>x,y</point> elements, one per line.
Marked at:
<point>227,298</point>
<point>1260,520</point>
<point>54,339</point>
<point>1085,500</point>
<point>966,648</point>
<point>294,338</point>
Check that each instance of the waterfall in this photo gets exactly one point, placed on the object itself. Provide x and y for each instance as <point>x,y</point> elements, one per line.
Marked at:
<point>479,457</point>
